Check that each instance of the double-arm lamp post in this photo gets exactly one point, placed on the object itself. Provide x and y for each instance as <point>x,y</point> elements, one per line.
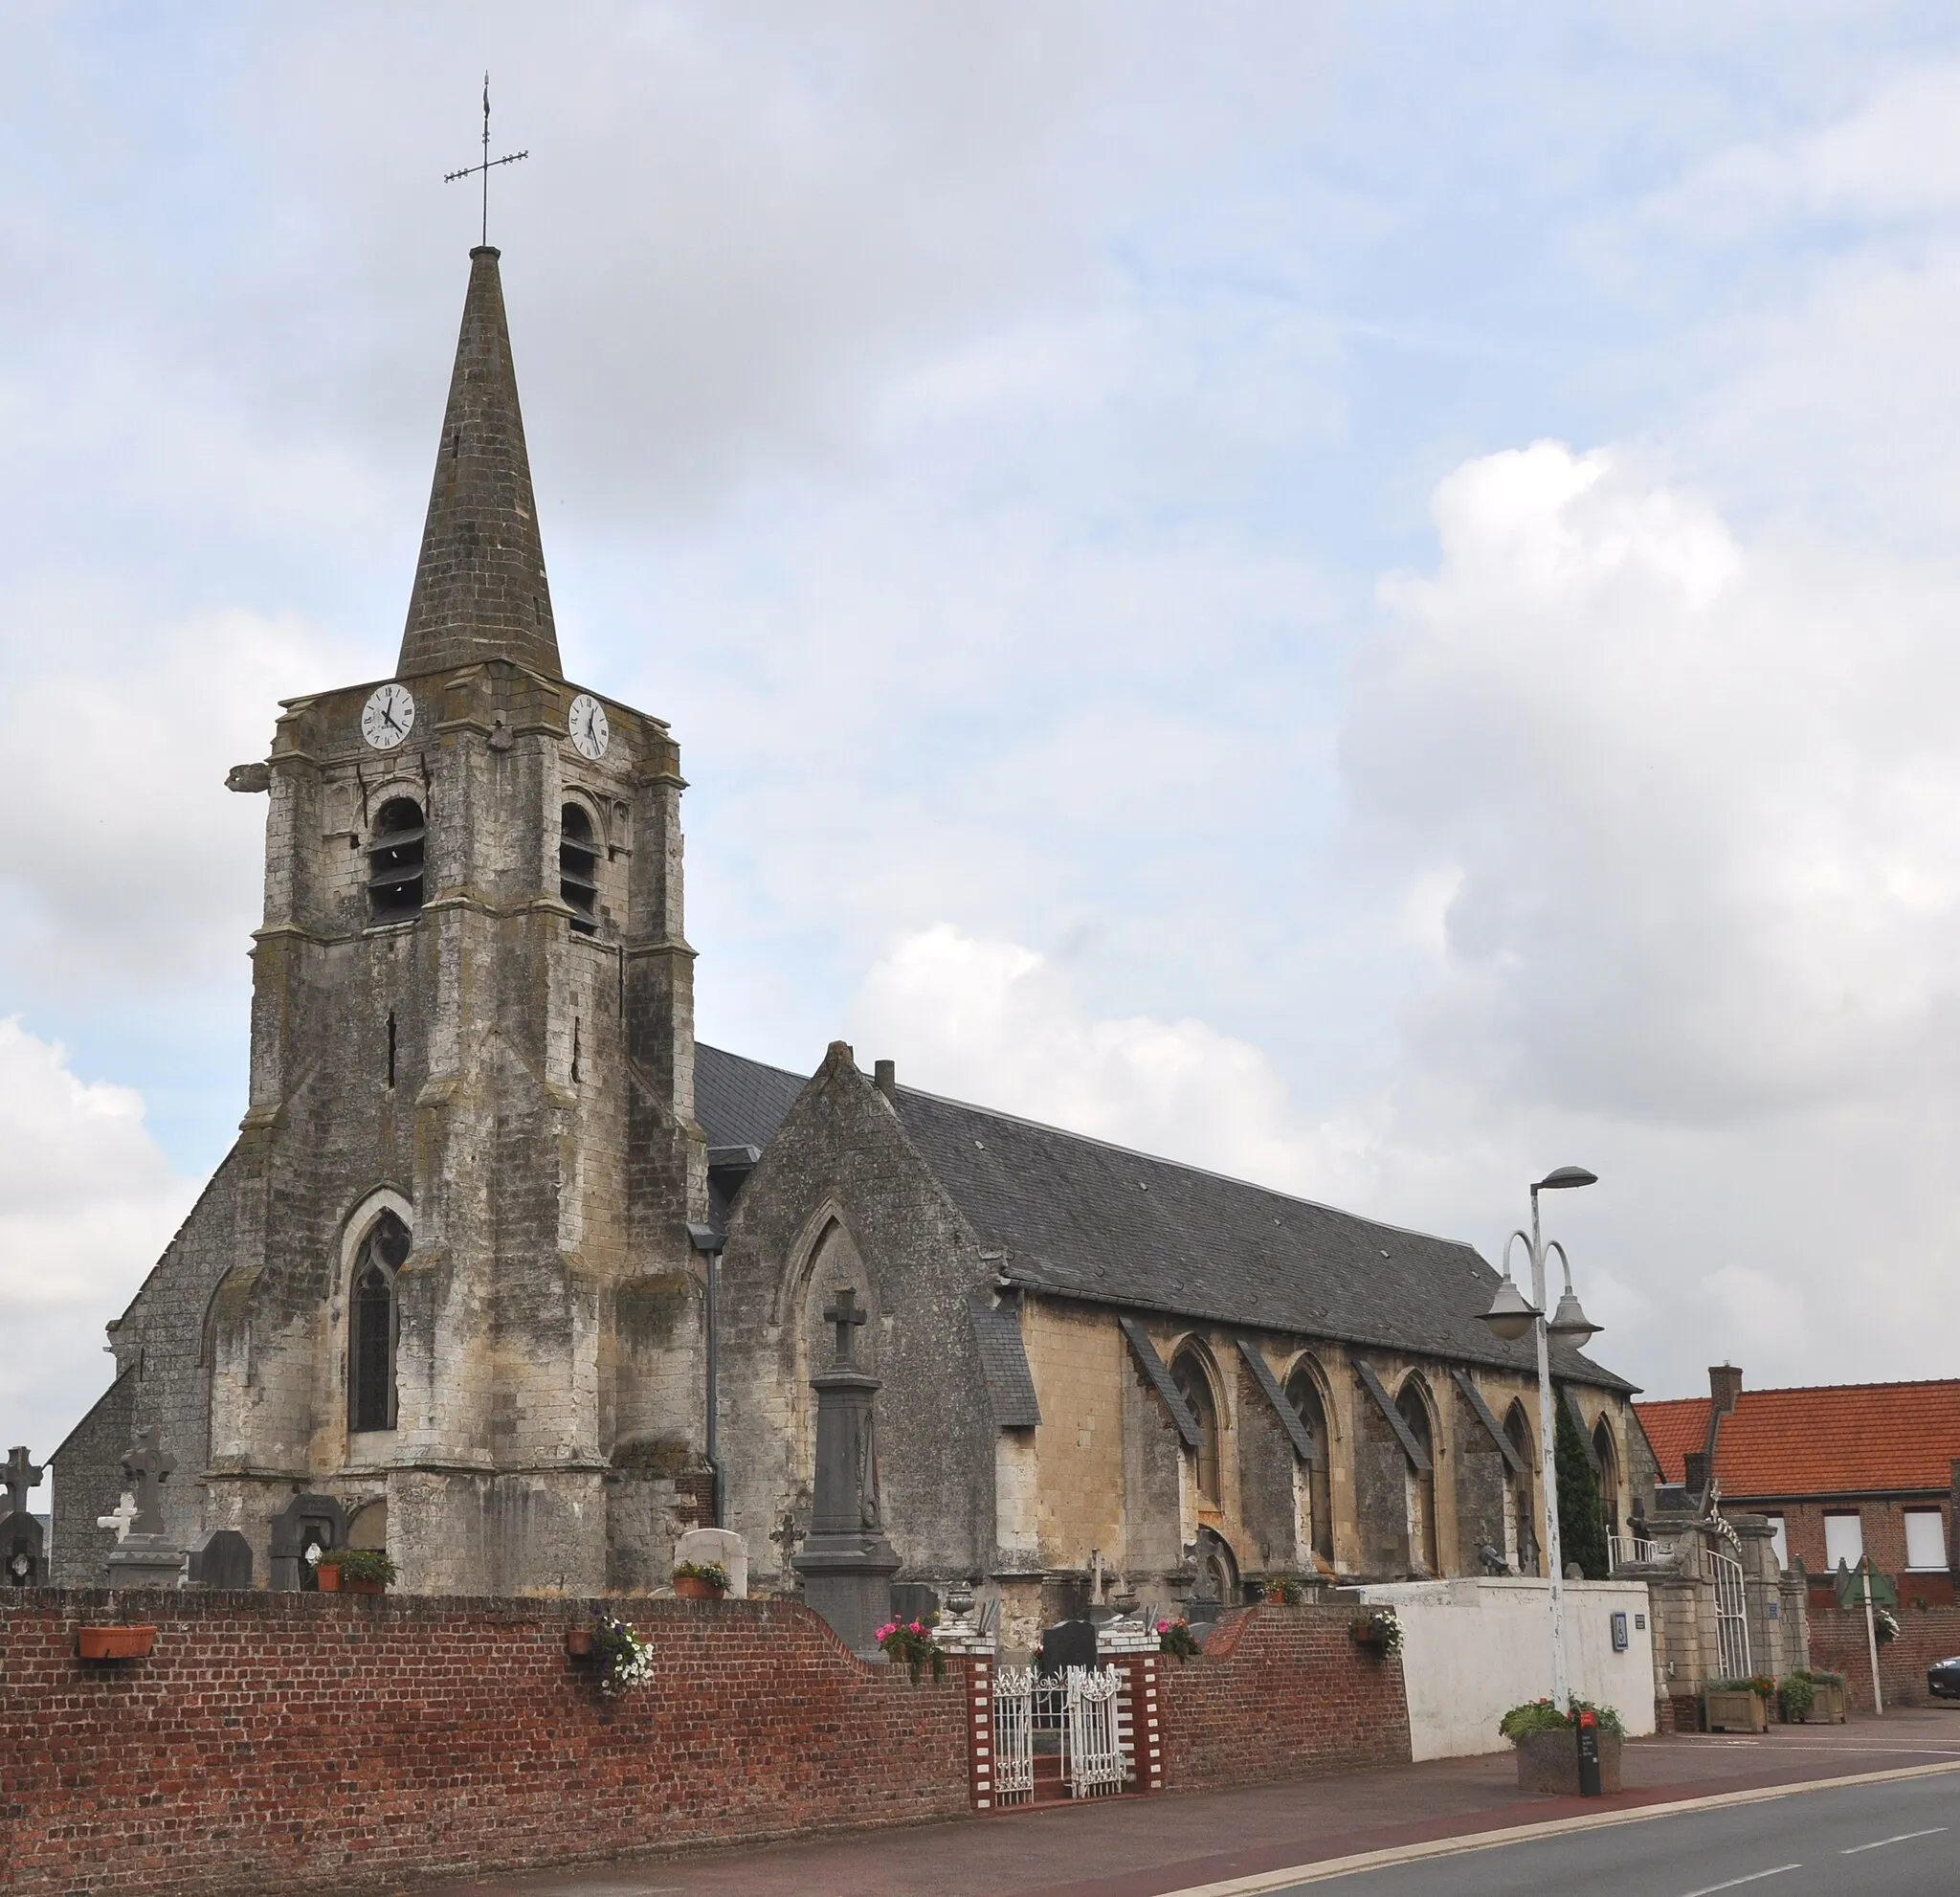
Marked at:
<point>1511,1317</point>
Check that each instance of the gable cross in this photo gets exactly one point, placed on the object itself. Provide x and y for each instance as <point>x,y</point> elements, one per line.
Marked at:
<point>846,1316</point>
<point>20,1475</point>
<point>149,1465</point>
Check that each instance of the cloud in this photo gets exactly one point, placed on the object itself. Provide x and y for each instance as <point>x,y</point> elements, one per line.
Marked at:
<point>87,1203</point>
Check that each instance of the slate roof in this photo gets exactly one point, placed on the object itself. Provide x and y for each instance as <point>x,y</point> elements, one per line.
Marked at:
<point>1844,1439</point>
<point>1082,1219</point>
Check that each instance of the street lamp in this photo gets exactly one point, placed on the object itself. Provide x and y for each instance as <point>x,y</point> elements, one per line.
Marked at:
<point>1510,1317</point>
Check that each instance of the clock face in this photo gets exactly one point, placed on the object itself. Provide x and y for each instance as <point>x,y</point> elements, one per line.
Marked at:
<point>388,717</point>
<point>590,732</point>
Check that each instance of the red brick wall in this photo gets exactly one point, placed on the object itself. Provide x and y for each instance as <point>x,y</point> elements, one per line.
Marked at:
<point>1838,1642</point>
<point>1281,1692</point>
<point>1884,1524</point>
<point>293,1741</point>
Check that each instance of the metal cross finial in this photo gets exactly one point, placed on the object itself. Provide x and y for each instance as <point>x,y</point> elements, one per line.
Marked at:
<point>149,1465</point>
<point>488,165</point>
<point>846,1316</point>
<point>19,1475</point>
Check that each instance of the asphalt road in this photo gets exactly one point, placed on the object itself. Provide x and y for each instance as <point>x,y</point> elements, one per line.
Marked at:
<point>1896,1840</point>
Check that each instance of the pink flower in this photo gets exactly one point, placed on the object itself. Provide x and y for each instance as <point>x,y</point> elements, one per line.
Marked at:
<point>917,1628</point>
<point>1162,1626</point>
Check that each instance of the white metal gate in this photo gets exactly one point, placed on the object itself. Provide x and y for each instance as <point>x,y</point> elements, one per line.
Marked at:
<point>1731,1616</point>
<point>1070,1716</point>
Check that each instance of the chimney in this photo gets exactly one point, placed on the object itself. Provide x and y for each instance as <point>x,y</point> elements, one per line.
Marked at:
<point>1724,1387</point>
<point>886,1077</point>
<point>1693,1472</point>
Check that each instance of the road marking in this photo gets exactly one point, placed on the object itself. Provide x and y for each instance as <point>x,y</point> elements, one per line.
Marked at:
<point>1754,1876</point>
<point>1521,1834</point>
<point>1879,1844</point>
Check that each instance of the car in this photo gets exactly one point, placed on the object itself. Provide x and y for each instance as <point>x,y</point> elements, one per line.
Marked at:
<point>1942,1679</point>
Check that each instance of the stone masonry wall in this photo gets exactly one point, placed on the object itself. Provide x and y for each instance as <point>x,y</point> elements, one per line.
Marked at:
<point>305,1742</point>
<point>1280,1693</point>
<point>1925,1633</point>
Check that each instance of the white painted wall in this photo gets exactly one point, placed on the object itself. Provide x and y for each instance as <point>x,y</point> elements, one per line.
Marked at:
<point>1471,1650</point>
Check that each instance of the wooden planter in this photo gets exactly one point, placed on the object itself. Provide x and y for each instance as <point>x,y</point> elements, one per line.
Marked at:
<point>1828,1708</point>
<point>115,1642</point>
<point>1736,1711</point>
<point>691,1587</point>
<point>1549,1762</point>
<point>578,1644</point>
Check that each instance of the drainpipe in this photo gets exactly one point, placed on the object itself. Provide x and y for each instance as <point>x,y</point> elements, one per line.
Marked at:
<point>709,1243</point>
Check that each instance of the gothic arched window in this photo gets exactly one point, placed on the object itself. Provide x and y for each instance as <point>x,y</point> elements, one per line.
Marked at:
<point>1414,1407</point>
<point>1607,1451</point>
<point>578,867</point>
<point>395,852</point>
<point>1304,1394</point>
<point>1520,1528</point>
<point>371,1324</point>
<point>1194,1384</point>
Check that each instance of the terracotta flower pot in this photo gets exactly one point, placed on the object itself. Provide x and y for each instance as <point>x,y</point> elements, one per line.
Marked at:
<point>578,1644</point>
<point>115,1642</point>
<point>353,1584</point>
<point>328,1576</point>
<point>691,1587</point>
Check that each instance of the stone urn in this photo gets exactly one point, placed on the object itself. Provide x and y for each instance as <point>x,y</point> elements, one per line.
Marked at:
<point>1548,1761</point>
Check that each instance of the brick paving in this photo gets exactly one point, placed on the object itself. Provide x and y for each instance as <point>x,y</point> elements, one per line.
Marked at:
<point>1140,1847</point>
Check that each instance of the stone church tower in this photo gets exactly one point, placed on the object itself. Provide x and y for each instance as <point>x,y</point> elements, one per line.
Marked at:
<point>446,1269</point>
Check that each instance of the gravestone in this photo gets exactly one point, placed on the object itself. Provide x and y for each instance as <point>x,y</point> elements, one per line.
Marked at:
<point>219,1558</point>
<point>914,1600</point>
<point>1068,1644</point>
<point>301,1533</point>
<point>145,1557</point>
<point>722,1545</point>
<point>847,1564</point>
<point>23,1551</point>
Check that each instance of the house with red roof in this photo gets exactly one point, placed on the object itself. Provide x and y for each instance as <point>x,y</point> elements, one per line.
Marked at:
<point>1841,1470</point>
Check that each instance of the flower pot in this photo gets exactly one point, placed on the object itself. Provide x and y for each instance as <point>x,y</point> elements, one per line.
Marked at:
<point>333,1581</point>
<point>1828,1708</point>
<point>329,1577</point>
<point>1741,1711</point>
<point>691,1587</point>
<point>578,1644</point>
<point>1549,1761</point>
<point>115,1642</point>
<point>353,1584</point>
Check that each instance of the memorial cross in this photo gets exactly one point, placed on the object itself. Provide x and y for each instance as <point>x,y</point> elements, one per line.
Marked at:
<point>845,1315</point>
<point>489,164</point>
<point>20,1476</point>
<point>120,1521</point>
<point>149,1465</point>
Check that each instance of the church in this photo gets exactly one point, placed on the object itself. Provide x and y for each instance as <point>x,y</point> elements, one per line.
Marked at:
<point>507,1274</point>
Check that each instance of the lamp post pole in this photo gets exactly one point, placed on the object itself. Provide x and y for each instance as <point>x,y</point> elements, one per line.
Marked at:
<point>1547,1468</point>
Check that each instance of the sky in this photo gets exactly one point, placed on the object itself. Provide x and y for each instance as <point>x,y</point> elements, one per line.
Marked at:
<point>1363,596</point>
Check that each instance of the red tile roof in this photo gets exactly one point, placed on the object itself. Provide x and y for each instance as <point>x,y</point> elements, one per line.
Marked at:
<point>1844,1439</point>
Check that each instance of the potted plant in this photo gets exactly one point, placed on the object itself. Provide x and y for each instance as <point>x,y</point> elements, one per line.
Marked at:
<point>1176,1637</point>
<point>701,1581</point>
<point>912,1642</point>
<point>1798,1696</point>
<point>625,1657</point>
<point>1379,1629</point>
<point>1738,1706</point>
<point>1282,1592</point>
<point>114,1642</point>
<point>1546,1740</point>
<point>355,1570</point>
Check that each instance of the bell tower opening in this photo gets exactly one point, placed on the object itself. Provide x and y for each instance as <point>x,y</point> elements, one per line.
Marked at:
<point>395,852</point>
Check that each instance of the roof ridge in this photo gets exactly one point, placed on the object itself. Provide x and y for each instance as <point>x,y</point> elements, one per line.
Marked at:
<point>1817,1389</point>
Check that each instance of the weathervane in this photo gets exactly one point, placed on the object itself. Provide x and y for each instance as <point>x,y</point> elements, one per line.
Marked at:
<point>488,165</point>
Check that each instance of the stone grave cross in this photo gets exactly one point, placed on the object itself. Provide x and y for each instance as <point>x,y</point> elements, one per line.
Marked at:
<point>19,1474</point>
<point>120,1520</point>
<point>149,1465</point>
<point>845,1315</point>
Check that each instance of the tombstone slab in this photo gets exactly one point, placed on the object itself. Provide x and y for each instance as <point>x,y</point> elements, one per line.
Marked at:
<point>724,1545</point>
<point>301,1531</point>
<point>1068,1644</point>
<point>22,1550</point>
<point>147,1561</point>
<point>219,1558</point>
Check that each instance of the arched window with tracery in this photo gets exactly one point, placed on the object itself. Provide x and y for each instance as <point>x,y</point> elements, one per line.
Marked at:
<point>578,867</point>
<point>1414,1406</point>
<point>1606,1452</point>
<point>1193,1383</point>
<point>1521,1525</point>
<point>1304,1394</point>
<point>396,852</point>
<point>372,1325</point>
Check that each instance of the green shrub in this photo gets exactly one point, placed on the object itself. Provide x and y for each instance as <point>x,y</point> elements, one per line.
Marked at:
<point>1543,1716</point>
<point>360,1564</point>
<point>711,1571</point>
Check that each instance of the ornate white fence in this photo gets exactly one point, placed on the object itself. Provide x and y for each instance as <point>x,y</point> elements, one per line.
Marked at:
<point>1731,1616</point>
<point>1073,1715</point>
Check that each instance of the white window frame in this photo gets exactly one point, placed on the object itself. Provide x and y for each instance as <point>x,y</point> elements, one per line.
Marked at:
<point>1836,1519</point>
<point>1920,1517</point>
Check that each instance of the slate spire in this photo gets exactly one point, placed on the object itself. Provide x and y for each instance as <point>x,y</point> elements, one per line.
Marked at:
<point>479,584</point>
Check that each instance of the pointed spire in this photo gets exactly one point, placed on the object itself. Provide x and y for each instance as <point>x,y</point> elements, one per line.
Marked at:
<point>480,585</point>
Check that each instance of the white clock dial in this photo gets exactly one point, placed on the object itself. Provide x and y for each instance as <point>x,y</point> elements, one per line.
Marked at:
<point>587,725</point>
<point>388,717</point>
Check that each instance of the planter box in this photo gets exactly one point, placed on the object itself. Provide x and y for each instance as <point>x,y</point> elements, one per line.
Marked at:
<point>1736,1712</point>
<point>1549,1762</point>
<point>115,1642</point>
<point>333,1581</point>
<point>691,1587</point>
<point>578,1644</point>
<point>1828,1708</point>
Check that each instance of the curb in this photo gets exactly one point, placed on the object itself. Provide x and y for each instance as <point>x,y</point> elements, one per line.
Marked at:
<point>1521,1834</point>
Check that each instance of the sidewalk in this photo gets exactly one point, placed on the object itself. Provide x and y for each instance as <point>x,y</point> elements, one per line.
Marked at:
<point>1139,1848</point>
